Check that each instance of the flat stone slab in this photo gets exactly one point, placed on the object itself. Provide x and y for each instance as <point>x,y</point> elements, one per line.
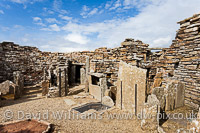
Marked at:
<point>25,126</point>
<point>69,102</point>
<point>77,97</point>
<point>97,106</point>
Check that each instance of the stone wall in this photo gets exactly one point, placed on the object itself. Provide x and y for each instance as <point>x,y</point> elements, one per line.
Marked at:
<point>181,61</point>
<point>31,61</point>
<point>129,51</point>
<point>188,46</point>
<point>28,60</point>
<point>107,60</point>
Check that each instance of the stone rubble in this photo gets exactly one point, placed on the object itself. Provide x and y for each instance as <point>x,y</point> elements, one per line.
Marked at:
<point>53,92</point>
<point>108,101</point>
<point>7,87</point>
<point>150,122</point>
<point>194,125</point>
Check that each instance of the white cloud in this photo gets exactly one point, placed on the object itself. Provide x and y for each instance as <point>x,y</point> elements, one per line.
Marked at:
<point>19,1</point>
<point>94,11</point>
<point>76,38</point>
<point>26,1</point>
<point>116,5</point>
<point>59,43</point>
<point>140,3</point>
<point>1,12</point>
<point>40,23</point>
<point>86,12</point>
<point>57,6</point>
<point>61,48</point>
<point>101,11</point>
<point>37,19</point>
<point>65,17</point>
<point>18,27</point>
<point>6,6</point>
<point>108,4</point>
<point>25,40</point>
<point>129,2</point>
<point>51,20</point>
<point>54,27</point>
<point>162,41</point>
<point>3,28</point>
<point>85,8</point>
<point>155,24</point>
<point>89,29</point>
<point>47,11</point>
<point>63,11</point>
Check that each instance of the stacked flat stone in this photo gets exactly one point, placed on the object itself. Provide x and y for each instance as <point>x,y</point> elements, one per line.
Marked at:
<point>181,61</point>
<point>29,61</point>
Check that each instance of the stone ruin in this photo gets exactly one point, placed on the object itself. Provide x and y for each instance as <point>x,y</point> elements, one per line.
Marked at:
<point>130,74</point>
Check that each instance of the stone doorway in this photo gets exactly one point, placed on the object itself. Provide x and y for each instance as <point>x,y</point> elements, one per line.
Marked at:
<point>75,75</point>
<point>78,74</point>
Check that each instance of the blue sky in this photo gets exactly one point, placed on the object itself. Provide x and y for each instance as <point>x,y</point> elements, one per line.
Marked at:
<point>76,25</point>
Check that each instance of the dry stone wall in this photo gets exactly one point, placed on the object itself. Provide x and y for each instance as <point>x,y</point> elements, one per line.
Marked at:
<point>181,61</point>
<point>106,60</point>
<point>28,60</point>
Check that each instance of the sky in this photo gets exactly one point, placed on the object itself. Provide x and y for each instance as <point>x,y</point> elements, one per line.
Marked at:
<point>78,25</point>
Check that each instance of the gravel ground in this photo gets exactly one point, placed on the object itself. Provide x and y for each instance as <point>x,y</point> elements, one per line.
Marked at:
<point>33,104</point>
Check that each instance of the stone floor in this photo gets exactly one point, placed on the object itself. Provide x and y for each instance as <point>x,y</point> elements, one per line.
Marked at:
<point>33,104</point>
<point>185,113</point>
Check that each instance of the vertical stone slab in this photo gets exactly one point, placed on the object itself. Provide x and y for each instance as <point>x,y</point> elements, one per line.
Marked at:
<point>45,87</point>
<point>87,67</point>
<point>62,93</point>
<point>180,94</point>
<point>83,76</point>
<point>49,73</point>
<point>170,97</point>
<point>130,75</point>
<point>45,83</point>
<point>151,108</point>
<point>59,82</point>
<point>63,81</point>
<point>103,86</point>
<point>159,92</point>
<point>16,76</point>
<point>19,81</point>
<point>45,74</point>
<point>66,81</point>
